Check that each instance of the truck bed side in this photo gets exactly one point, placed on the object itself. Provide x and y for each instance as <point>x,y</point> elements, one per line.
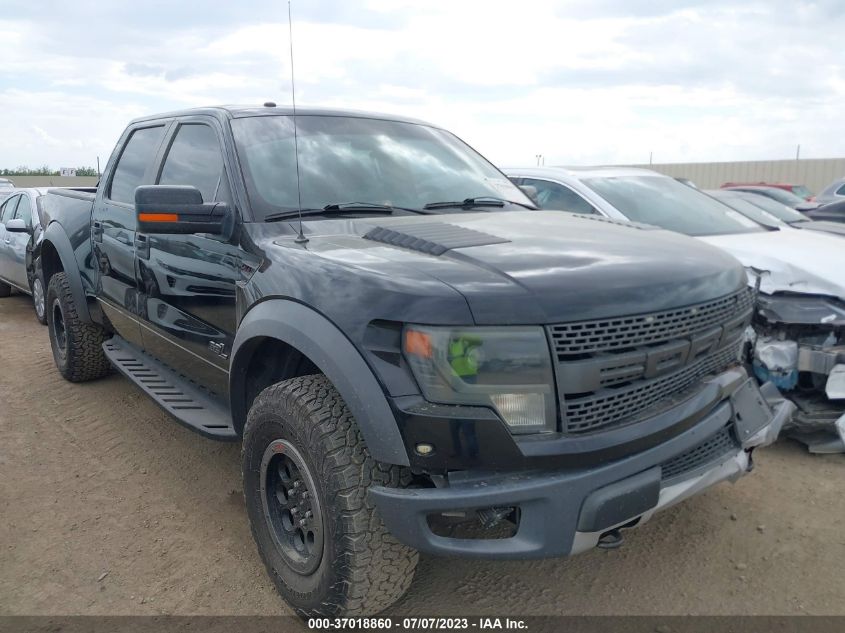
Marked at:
<point>66,215</point>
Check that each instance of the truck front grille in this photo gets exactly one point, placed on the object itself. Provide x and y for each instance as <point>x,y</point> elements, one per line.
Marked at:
<point>615,372</point>
<point>612,407</point>
<point>708,452</point>
<point>589,337</point>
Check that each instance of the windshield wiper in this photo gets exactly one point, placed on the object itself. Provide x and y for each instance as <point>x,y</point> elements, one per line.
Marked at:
<point>480,201</point>
<point>335,209</point>
<point>340,207</point>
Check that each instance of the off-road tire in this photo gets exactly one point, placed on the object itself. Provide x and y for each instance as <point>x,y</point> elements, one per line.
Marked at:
<point>363,569</point>
<point>5,290</point>
<point>79,356</point>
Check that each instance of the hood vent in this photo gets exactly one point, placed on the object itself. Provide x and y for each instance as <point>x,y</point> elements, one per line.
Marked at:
<point>432,238</point>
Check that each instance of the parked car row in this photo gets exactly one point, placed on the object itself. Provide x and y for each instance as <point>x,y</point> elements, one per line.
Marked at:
<point>828,205</point>
<point>407,346</point>
<point>799,191</point>
<point>779,195</point>
<point>799,330</point>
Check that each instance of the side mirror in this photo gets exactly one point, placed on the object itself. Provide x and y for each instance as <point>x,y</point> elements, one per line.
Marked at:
<point>178,209</point>
<point>17,226</point>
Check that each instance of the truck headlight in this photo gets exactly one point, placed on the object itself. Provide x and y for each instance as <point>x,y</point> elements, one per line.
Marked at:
<point>506,368</point>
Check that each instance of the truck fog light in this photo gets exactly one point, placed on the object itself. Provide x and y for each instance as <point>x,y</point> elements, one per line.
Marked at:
<point>424,449</point>
<point>521,410</point>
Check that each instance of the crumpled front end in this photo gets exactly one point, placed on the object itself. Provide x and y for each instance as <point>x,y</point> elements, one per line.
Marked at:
<point>799,345</point>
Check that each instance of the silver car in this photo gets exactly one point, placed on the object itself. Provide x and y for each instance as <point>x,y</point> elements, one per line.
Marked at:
<point>20,233</point>
<point>834,192</point>
<point>785,265</point>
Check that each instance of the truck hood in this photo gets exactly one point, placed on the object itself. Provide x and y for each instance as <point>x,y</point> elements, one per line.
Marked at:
<point>796,260</point>
<point>536,267</point>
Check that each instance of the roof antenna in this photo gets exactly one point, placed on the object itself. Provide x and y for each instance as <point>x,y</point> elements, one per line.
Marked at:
<point>300,239</point>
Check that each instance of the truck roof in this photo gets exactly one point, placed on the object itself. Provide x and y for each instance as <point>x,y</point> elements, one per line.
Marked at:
<point>241,111</point>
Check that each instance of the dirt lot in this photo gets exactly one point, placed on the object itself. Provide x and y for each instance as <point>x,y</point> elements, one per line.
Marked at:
<point>109,507</point>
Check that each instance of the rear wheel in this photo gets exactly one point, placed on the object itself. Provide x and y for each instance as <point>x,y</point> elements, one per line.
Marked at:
<point>77,345</point>
<point>306,473</point>
<point>5,289</point>
<point>39,300</point>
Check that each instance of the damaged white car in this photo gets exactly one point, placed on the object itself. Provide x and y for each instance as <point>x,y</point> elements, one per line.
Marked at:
<point>798,340</point>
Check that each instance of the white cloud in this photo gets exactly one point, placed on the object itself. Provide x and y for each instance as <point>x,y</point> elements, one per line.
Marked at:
<point>605,81</point>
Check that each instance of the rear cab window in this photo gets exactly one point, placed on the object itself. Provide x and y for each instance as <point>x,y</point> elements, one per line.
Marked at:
<point>135,159</point>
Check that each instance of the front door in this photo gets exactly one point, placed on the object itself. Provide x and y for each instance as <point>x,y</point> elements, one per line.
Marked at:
<point>7,212</point>
<point>18,244</point>
<point>188,281</point>
<point>113,229</point>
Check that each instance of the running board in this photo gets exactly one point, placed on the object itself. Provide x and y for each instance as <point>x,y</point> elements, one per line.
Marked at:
<point>179,397</point>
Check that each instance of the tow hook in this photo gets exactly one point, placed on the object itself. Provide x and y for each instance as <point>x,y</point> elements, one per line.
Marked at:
<point>611,540</point>
<point>750,466</point>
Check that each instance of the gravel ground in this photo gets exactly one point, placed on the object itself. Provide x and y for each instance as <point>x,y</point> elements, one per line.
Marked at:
<point>110,507</point>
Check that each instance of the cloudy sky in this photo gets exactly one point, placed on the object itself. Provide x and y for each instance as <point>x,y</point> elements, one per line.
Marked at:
<point>581,82</point>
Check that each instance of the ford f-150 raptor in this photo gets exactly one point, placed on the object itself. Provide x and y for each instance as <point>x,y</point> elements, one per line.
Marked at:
<point>422,349</point>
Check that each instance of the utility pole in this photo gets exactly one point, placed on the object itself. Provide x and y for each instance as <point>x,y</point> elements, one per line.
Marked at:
<point>798,152</point>
<point>650,156</point>
<point>98,166</point>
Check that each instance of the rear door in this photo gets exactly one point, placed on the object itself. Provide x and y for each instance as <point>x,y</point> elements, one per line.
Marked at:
<point>188,281</point>
<point>113,226</point>
<point>17,244</point>
<point>7,212</point>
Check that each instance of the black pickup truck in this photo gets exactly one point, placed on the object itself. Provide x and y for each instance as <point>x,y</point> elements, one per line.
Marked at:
<point>422,363</point>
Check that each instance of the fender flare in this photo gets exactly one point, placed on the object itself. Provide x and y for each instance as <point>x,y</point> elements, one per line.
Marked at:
<point>327,347</point>
<point>56,235</point>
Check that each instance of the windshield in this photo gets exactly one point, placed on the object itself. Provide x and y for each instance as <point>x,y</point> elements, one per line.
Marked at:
<point>666,203</point>
<point>747,207</point>
<point>802,192</point>
<point>781,195</point>
<point>780,211</point>
<point>351,159</point>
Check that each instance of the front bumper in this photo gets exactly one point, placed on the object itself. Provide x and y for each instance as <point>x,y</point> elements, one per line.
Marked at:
<point>567,512</point>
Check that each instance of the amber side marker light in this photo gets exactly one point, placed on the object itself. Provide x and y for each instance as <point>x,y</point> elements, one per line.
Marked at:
<point>158,217</point>
<point>418,343</point>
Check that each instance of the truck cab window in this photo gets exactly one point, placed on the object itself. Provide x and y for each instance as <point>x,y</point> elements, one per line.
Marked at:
<point>551,195</point>
<point>195,159</point>
<point>133,163</point>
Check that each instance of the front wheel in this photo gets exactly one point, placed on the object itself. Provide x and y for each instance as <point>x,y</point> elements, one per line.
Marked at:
<point>306,472</point>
